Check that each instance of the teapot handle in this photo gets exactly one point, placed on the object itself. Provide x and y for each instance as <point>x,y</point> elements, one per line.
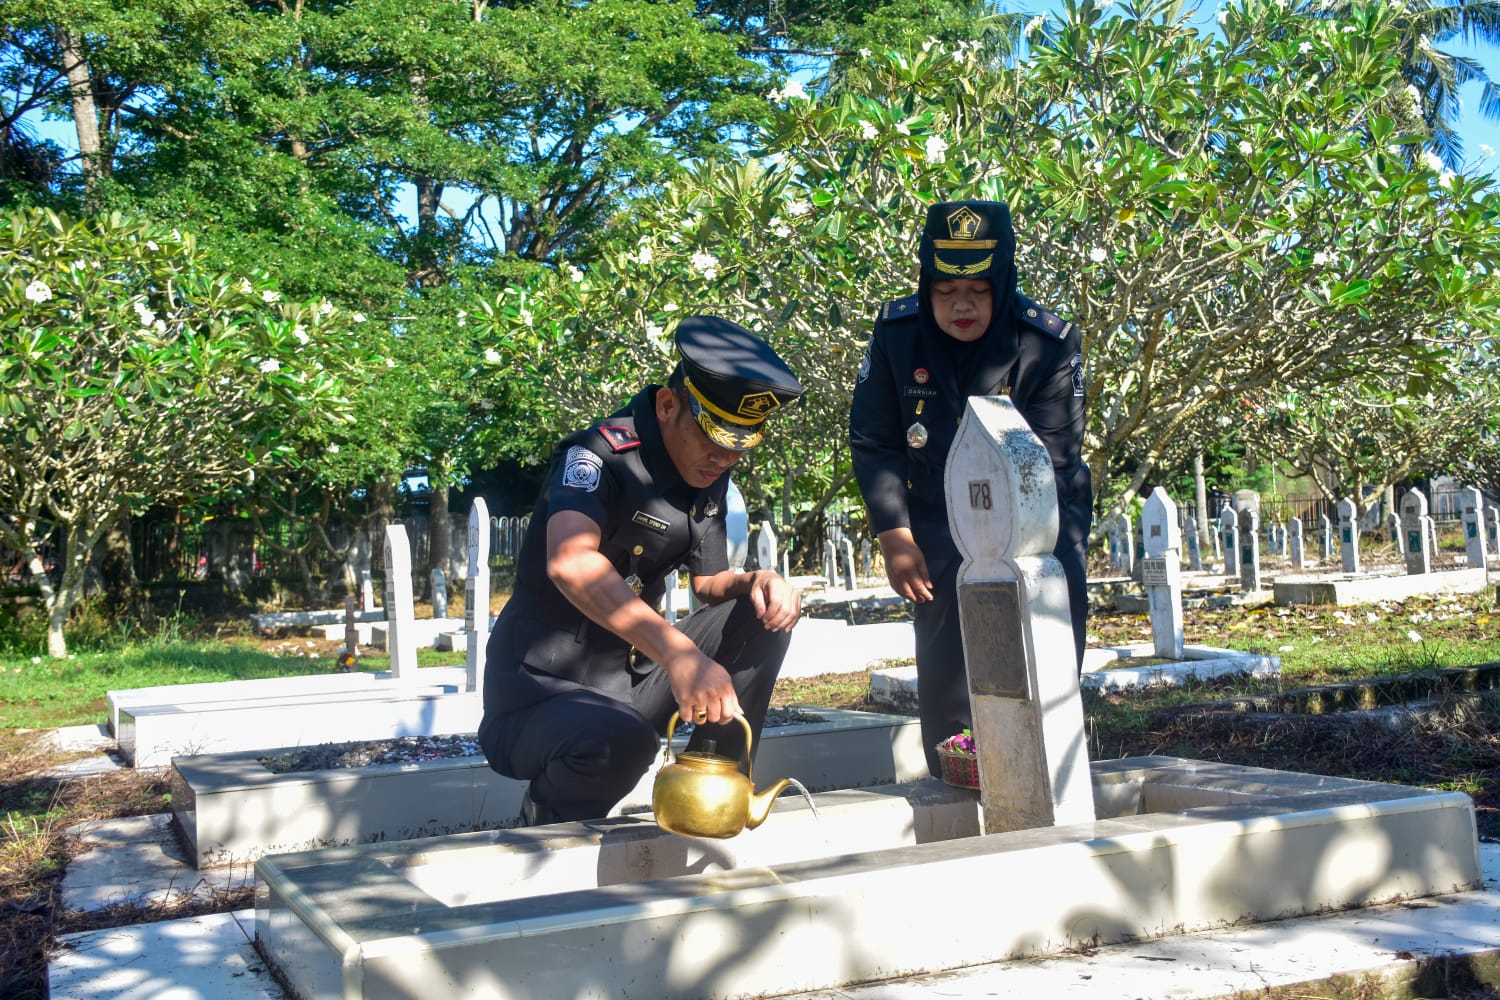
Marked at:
<point>666,750</point>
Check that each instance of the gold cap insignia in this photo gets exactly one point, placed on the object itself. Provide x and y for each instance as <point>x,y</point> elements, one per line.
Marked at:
<point>757,405</point>
<point>964,224</point>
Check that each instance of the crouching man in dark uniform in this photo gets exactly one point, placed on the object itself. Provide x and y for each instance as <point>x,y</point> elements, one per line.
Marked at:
<point>967,332</point>
<point>582,673</point>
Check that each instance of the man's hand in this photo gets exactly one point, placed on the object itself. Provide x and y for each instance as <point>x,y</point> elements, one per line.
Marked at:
<point>777,603</point>
<point>702,687</point>
<point>905,565</point>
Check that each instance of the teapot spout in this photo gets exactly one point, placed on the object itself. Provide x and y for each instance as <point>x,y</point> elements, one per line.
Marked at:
<point>760,805</point>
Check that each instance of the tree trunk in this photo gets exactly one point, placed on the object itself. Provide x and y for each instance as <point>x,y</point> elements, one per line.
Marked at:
<point>1200,500</point>
<point>382,500</point>
<point>122,588</point>
<point>85,108</point>
<point>438,529</point>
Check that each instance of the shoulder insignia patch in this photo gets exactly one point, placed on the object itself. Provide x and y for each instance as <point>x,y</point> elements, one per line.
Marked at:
<point>619,438</point>
<point>900,308</point>
<point>1041,320</point>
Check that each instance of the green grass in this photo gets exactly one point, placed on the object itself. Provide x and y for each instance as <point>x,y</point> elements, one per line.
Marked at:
<point>40,693</point>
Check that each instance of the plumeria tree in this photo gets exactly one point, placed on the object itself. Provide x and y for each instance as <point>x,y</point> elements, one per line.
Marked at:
<point>132,372</point>
<point>1222,215</point>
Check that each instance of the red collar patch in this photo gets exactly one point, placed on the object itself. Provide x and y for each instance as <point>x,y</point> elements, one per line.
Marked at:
<point>619,438</point>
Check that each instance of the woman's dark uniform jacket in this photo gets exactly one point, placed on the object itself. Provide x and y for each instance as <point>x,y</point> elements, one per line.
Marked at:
<point>907,377</point>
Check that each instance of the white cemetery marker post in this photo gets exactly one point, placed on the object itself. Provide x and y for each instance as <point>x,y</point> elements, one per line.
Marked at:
<point>765,547</point>
<point>1229,532</point>
<point>1393,525</point>
<point>736,527</point>
<point>1249,551</point>
<point>1472,502</point>
<point>830,564</point>
<point>1161,572</point>
<point>1017,629</point>
<point>1194,547</point>
<point>864,559</point>
<point>1494,529</point>
<point>1270,540</point>
<point>351,631</point>
<point>362,569</point>
<point>1116,558</point>
<point>439,594</point>
<point>400,624</point>
<point>367,589</point>
<point>1415,540</point>
<point>1127,546</point>
<point>1294,540</point>
<point>1325,537</point>
<point>846,548</point>
<point>1349,535</point>
<point>1280,538</point>
<point>477,595</point>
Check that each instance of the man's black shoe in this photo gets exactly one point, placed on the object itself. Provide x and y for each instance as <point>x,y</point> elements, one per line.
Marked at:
<point>535,813</point>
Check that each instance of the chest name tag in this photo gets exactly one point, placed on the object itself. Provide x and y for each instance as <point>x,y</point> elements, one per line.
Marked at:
<point>918,391</point>
<point>619,438</point>
<point>645,520</point>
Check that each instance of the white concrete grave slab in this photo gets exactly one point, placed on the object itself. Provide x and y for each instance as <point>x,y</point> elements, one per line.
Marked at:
<point>184,695</point>
<point>1471,500</point>
<point>1416,532</point>
<point>151,735</point>
<point>1229,535</point>
<point>1017,626</point>
<point>617,907</point>
<point>230,808</point>
<point>326,618</point>
<point>1249,550</point>
<point>1370,588</point>
<point>1294,542</point>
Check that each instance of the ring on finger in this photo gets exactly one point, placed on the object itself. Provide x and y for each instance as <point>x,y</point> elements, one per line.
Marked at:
<point>700,714</point>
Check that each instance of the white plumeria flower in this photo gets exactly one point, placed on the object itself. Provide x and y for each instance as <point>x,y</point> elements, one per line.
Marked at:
<point>1371,617</point>
<point>358,317</point>
<point>937,149</point>
<point>1246,148</point>
<point>864,53</point>
<point>159,326</point>
<point>300,332</point>
<point>670,307</point>
<point>147,317</point>
<point>151,245</point>
<point>789,90</point>
<point>1413,635</point>
<point>1097,166</point>
<point>704,262</point>
<point>1348,29</point>
<point>1432,161</point>
<point>867,131</point>
<point>903,128</point>
<point>782,230</point>
<point>390,362</point>
<point>644,255</point>
<point>1223,17</point>
<point>575,273</point>
<point>463,317</point>
<point>1305,48</point>
<point>930,44</point>
<point>526,317</point>
<point>38,290</point>
<point>1035,23</point>
<point>1413,95</point>
<point>491,355</point>
<point>1485,150</point>
<point>244,287</point>
<point>798,207</point>
<point>1446,179</point>
<point>1098,255</point>
<point>270,365</point>
<point>325,308</point>
<point>269,296</point>
<point>1322,258</point>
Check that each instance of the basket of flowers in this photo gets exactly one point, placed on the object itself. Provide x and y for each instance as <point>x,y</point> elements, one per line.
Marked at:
<point>960,760</point>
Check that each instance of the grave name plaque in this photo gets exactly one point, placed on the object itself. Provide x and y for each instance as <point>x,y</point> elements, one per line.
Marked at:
<point>996,656</point>
<point>1154,572</point>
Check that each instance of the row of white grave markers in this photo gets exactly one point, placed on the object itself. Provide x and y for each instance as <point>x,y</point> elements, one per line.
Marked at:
<point>1161,573</point>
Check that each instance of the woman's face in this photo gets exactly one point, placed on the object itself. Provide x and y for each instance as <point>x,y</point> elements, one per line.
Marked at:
<point>962,307</point>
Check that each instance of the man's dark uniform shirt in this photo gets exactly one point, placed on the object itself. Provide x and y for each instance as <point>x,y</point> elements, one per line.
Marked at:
<point>611,472</point>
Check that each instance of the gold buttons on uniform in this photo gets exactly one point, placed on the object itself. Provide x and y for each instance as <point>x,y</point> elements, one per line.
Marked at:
<point>639,549</point>
<point>1031,313</point>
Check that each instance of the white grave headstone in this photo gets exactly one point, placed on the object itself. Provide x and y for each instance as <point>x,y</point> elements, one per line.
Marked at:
<point>1127,545</point>
<point>477,595</point>
<point>361,560</point>
<point>1471,501</point>
<point>1349,535</point>
<point>1249,550</point>
<point>765,547</point>
<point>846,562</point>
<point>1229,534</point>
<point>367,589</point>
<point>830,563</point>
<point>1161,572</point>
<point>1494,513</point>
<point>1416,528</point>
<point>1016,624</point>
<point>1194,547</point>
<point>1325,537</point>
<point>1393,526</point>
<point>865,566</point>
<point>736,527</point>
<point>401,638</point>
<point>1294,541</point>
<point>351,628</point>
<point>439,594</point>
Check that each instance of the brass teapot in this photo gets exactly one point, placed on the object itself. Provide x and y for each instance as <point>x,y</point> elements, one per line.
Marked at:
<point>703,794</point>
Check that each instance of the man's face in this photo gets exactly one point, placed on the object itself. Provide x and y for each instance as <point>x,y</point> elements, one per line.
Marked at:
<point>962,307</point>
<point>698,460</point>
